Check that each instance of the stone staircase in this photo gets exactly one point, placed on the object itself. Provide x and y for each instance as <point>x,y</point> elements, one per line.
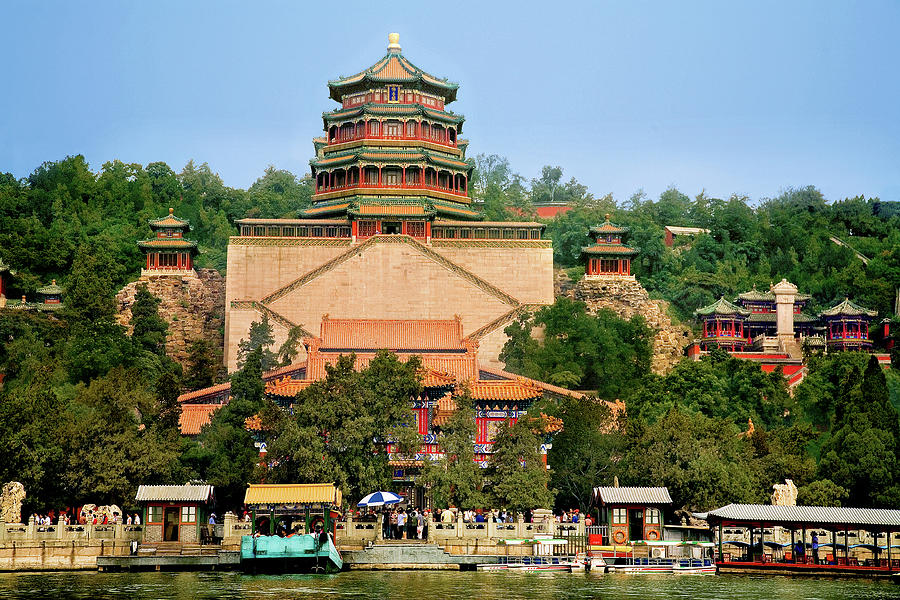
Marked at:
<point>404,554</point>
<point>176,549</point>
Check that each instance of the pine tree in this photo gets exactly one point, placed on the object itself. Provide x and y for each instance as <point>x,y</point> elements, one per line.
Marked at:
<point>149,329</point>
<point>518,478</point>
<point>261,338</point>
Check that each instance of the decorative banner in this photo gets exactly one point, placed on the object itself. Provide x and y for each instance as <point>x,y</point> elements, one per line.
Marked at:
<point>393,93</point>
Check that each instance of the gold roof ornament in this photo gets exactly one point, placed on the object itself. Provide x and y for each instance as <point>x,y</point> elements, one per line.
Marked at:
<point>394,42</point>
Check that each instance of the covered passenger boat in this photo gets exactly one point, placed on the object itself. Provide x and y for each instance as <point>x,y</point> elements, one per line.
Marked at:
<point>811,540</point>
<point>293,529</point>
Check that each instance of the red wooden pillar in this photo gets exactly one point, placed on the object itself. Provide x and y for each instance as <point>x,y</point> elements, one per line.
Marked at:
<point>379,176</point>
<point>427,231</point>
<point>403,179</point>
<point>354,229</point>
<point>403,227</point>
<point>704,328</point>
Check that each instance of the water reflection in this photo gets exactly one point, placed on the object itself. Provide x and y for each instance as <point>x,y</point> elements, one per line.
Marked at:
<point>430,585</point>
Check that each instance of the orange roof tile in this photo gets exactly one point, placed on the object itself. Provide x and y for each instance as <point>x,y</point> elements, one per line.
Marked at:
<point>167,243</point>
<point>521,389</point>
<point>195,416</point>
<point>207,391</point>
<point>327,208</point>
<point>553,389</point>
<point>291,369</point>
<point>287,387</point>
<point>461,366</point>
<point>391,209</point>
<point>444,409</point>
<point>406,334</point>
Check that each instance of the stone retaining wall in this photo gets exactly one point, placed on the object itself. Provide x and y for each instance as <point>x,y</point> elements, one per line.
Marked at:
<point>627,297</point>
<point>193,306</point>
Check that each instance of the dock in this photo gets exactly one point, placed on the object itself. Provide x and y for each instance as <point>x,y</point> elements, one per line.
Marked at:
<point>223,560</point>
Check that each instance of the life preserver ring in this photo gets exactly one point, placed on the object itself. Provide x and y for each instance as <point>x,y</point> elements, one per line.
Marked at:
<point>619,537</point>
<point>653,534</point>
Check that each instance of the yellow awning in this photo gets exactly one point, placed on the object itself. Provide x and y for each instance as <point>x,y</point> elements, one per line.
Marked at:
<point>293,493</point>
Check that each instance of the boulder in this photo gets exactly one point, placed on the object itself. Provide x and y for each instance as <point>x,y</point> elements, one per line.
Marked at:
<point>11,497</point>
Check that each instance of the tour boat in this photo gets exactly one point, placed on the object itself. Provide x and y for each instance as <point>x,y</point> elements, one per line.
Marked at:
<point>661,557</point>
<point>309,553</point>
<point>533,563</point>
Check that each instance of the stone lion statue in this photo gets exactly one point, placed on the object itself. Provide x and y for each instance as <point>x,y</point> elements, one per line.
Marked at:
<point>11,497</point>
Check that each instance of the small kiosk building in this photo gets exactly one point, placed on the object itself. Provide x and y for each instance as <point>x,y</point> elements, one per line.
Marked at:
<point>175,513</point>
<point>632,514</point>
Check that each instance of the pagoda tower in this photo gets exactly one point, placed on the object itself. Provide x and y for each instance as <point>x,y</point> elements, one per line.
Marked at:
<point>392,232</point>
<point>608,257</point>
<point>168,253</point>
<point>391,160</point>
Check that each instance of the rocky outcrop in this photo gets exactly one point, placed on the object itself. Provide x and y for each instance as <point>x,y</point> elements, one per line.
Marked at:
<point>193,305</point>
<point>784,494</point>
<point>11,502</point>
<point>626,297</point>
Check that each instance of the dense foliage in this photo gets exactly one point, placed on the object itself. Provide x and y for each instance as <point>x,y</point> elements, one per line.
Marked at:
<point>88,412</point>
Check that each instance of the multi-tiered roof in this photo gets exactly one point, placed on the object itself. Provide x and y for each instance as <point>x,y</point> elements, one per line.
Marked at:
<point>392,150</point>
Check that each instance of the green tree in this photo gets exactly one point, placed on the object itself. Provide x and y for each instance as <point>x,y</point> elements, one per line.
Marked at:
<point>260,338</point>
<point>517,476</point>
<point>600,351</point>
<point>96,342</point>
<point>149,329</point>
<point>822,492</point>
<point>861,453</point>
<point>203,365</point>
<point>227,458</point>
<point>585,453</point>
<point>701,460</point>
<point>456,479</point>
<point>347,418</point>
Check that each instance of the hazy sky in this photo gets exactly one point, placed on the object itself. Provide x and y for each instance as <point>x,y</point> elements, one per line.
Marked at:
<point>731,97</point>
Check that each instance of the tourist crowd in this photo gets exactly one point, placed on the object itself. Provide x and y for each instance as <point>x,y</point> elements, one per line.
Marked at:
<point>411,523</point>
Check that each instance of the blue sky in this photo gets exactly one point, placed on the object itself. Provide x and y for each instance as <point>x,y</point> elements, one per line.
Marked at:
<point>730,97</point>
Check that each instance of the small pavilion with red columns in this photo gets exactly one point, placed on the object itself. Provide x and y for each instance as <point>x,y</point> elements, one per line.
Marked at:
<point>168,252</point>
<point>609,256</point>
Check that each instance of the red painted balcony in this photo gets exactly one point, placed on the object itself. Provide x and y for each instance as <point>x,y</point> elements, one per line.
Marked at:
<point>401,186</point>
<point>443,140</point>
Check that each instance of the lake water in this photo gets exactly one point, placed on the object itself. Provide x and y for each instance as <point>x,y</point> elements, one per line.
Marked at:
<point>432,585</point>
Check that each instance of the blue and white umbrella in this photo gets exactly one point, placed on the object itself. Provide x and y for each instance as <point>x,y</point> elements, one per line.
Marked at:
<point>380,499</point>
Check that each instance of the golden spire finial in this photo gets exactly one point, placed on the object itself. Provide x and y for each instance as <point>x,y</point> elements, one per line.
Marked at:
<point>607,216</point>
<point>393,42</point>
<point>171,211</point>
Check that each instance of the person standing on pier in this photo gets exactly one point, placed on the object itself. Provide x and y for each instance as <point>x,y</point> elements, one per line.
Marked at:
<point>815,547</point>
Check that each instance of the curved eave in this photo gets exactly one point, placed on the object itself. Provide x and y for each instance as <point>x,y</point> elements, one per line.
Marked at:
<point>158,244</point>
<point>372,155</point>
<point>457,211</point>
<point>338,89</point>
<point>600,250</point>
<point>723,308</point>
<point>387,110</point>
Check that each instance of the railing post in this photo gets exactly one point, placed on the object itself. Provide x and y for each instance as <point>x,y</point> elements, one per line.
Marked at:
<point>3,531</point>
<point>491,527</point>
<point>429,523</point>
<point>119,531</point>
<point>60,527</point>
<point>228,529</point>
<point>31,530</point>
<point>520,526</point>
<point>459,524</point>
